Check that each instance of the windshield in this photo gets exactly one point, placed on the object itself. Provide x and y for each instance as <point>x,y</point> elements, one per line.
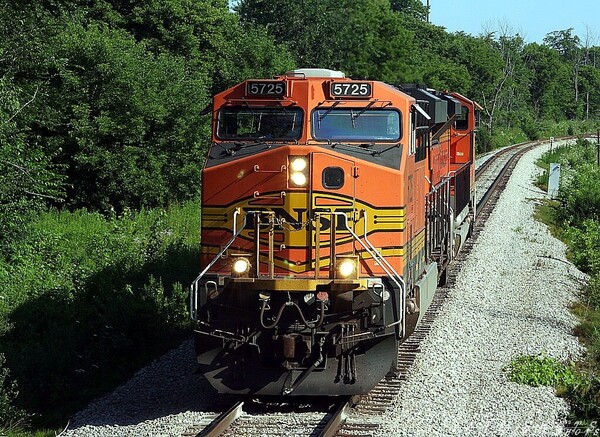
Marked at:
<point>243,123</point>
<point>367,125</point>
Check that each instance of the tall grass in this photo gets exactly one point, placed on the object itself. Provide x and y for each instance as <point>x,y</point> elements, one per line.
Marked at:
<point>85,300</point>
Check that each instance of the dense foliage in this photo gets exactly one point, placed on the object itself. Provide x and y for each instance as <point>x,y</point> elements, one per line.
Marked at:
<point>28,178</point>
<point>118,89</point>
<point>101,121</point>
<point>88,299</point>
<point>576,218</point>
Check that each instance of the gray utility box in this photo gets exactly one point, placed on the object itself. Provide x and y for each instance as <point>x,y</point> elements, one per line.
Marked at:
<point>454,106</point>
<point>435,107</point>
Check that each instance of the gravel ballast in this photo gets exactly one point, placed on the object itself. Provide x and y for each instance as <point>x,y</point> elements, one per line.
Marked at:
<point>163,399</point>
<point>511,298</point>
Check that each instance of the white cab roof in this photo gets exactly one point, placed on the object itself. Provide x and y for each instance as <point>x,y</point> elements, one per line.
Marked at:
<point>316,72</point>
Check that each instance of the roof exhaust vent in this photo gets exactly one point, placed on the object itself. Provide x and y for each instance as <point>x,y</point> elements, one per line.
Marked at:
<point>316,72</point>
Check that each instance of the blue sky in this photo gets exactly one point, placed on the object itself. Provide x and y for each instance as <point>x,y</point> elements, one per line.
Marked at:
<point>532,19</point>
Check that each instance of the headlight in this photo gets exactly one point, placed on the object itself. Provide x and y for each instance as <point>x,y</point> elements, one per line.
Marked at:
<point>298,179</point>
<point>240,267</point>
<point>298,171</point>
<point>347,267</point>
<point>298,164</point>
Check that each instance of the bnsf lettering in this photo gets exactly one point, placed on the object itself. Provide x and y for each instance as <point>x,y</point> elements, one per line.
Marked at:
<point>326,220</point>
<point>297,221</point>
<point>280,214</point>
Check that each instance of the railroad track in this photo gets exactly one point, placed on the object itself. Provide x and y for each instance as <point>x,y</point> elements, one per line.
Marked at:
<point>493,175</point>
<point>254,419</point>
<point>357,416</point>
<point>216,424</point>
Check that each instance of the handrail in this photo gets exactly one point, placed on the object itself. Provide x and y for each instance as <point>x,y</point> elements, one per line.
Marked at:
<point>387,267</point>
<point>194,286</point>
<point>381,258</point>
<point>236,233</point>
<point>394,276</point>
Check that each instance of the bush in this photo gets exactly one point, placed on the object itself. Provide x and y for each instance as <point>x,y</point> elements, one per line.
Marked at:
<point>541,370</point>
<point>592,292</point>
<point>580,197</point>
<point>503,137</point>
<point>133,119</point>
<point>484,140</point>
<point>28,179</point>
<point>531,129</point>
<point>585,246</point>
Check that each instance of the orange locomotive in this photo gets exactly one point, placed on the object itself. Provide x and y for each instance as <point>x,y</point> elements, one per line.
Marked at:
<point>330,209</point>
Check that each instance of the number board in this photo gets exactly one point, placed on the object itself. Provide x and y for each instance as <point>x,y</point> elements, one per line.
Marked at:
<point>266,88</point>
<point>351,89</point>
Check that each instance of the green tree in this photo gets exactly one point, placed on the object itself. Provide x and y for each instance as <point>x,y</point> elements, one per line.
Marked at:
<point>498,100</point>
<point>307,27</point>
<point>27,177</point>
<point>569,47</point>
<point>364,38</point>
<point>442,58</point>
<point>121,86</point>
<point>374,41</point>
<point>590,75</point>
<point>412,8</point>
<point>208,35</point>
<point>550,98</point>
<point>128,125</point>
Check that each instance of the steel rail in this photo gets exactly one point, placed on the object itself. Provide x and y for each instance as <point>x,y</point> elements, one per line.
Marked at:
<point>338,417</point>
<point>222,422</point>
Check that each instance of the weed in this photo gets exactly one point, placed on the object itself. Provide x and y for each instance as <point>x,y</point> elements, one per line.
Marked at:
<point>579,385</point>
<point>542,371</point>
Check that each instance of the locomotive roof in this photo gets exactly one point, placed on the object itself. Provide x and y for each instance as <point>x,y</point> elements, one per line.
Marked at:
<point>316,72</point>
